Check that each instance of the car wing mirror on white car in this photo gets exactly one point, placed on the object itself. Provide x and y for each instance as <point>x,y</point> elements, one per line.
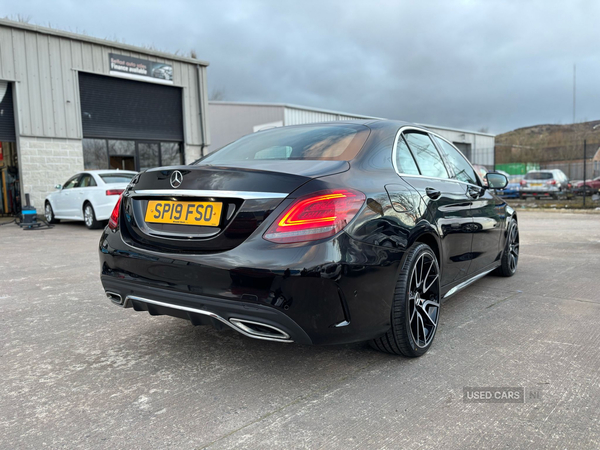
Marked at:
<point>58,186</point>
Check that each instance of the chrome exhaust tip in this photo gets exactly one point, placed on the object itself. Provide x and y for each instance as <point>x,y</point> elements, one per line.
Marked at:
<point>262,330</point>
<point>115,298</point>
<point>249,328</point>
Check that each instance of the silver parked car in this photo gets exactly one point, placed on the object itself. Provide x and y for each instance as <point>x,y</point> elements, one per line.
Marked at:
<point>545,183</point>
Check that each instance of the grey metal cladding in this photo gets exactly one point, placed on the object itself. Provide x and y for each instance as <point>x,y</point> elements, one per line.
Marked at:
<point>45,63</point>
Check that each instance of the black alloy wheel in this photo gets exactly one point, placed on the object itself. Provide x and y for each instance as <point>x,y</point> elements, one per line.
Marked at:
<point>416,306</point>
<point>510,257</point>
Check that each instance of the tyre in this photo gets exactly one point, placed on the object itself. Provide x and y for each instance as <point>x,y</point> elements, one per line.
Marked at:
<point>49,214</point>
<point>510,256</point>
<point>89,217</point>
<point>415,306</point>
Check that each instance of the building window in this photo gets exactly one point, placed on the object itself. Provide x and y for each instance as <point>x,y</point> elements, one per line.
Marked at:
<point>130,155</point>
<point>170,153</point>
<point>95,155</point>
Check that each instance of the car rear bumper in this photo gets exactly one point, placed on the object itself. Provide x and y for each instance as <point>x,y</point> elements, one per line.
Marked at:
<point>336,291</point>
<point>541,189</point>
<point>270,324</point>
<point>104,208</point>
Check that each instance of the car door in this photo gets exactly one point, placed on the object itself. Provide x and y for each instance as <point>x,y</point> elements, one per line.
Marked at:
<point>447,200</point>
<point>487,210</point>
<point>84,191</point>
<point>66,197</point>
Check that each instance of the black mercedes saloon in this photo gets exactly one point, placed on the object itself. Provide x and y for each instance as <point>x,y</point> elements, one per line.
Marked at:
<point>324,233</point>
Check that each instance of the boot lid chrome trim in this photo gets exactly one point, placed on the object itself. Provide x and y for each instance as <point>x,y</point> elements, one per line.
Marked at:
<point>245,195</point>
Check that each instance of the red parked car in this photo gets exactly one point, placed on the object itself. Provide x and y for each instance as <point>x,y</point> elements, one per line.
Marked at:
<point>591,186</point>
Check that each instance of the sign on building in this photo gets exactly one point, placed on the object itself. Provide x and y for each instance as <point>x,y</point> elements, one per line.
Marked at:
<point>140,69</point>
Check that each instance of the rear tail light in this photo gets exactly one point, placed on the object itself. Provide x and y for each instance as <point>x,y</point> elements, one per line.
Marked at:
<point>315,216</point>
<point>552,182</point>
<point>114,191</point>
<point>569,186</point>
<point>523,183</point>
<point>113,222</point>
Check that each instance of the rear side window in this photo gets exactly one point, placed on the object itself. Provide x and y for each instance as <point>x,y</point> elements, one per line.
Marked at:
<point>539,176</point>
<point>428,158</point>
<point>114,178</point>
<point>87,181</point>
<point>313,142</point>
<point>460,166</point>
<point>405,163</point>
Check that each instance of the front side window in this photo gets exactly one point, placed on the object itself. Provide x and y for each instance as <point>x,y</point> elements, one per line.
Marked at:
<point>428,158</point>
<point>72,183</point>
<point>405,163</point>
<point>312,142</point>
<point>457,162</point>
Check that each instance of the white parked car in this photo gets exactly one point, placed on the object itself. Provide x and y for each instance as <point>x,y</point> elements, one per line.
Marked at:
<point>89,196</point>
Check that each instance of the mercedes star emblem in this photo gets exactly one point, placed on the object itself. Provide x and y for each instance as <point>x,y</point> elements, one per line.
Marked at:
<point>176,179</point>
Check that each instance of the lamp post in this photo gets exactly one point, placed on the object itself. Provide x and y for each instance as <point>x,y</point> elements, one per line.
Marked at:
<point>584,167</point>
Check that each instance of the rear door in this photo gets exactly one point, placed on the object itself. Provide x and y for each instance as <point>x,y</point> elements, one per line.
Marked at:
<point>83,191</point>
<point>448,203</point>
<point>487,210</point>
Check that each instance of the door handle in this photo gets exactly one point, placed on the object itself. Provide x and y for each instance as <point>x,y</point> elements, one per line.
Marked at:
<point>433,193</point>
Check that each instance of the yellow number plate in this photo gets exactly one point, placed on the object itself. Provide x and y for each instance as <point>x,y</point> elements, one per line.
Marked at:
<point>184,213</point>
<point>536,184</point>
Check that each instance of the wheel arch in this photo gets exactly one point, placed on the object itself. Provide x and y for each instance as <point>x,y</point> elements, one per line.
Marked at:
<point>431,239</point>
<point>86,201</point>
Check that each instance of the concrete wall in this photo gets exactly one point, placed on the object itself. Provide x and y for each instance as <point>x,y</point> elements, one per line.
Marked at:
<point>46,162</point>
<point>192,153</point>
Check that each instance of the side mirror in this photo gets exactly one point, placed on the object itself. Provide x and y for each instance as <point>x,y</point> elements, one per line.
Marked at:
<point>496,180</point>
<point>58,186</point>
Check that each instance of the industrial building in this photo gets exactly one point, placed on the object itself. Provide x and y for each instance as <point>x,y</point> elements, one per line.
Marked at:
<point>231,120</point>
<point>70,102</point>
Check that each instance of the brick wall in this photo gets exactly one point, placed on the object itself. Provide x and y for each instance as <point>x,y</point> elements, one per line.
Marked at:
<point>46,162</point>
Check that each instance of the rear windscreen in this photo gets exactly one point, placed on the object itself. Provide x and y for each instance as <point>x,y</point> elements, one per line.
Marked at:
<point>317,142</point>
<point>114,178</point>
<point>539,176</point>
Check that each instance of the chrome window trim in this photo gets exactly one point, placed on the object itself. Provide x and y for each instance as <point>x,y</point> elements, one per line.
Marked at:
<point>410,127</point>
<point>245,195</point>
<point>421,130</point>
<point>461,154</point>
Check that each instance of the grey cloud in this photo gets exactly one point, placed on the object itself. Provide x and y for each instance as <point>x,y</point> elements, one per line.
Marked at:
<point>468,64</point>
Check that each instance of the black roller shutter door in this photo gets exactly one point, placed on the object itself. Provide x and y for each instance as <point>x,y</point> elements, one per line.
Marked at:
<point>125,109</point>
<point>7,117</point>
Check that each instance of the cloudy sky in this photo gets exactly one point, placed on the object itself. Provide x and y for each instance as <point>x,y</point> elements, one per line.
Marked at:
<point>469,64</point>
